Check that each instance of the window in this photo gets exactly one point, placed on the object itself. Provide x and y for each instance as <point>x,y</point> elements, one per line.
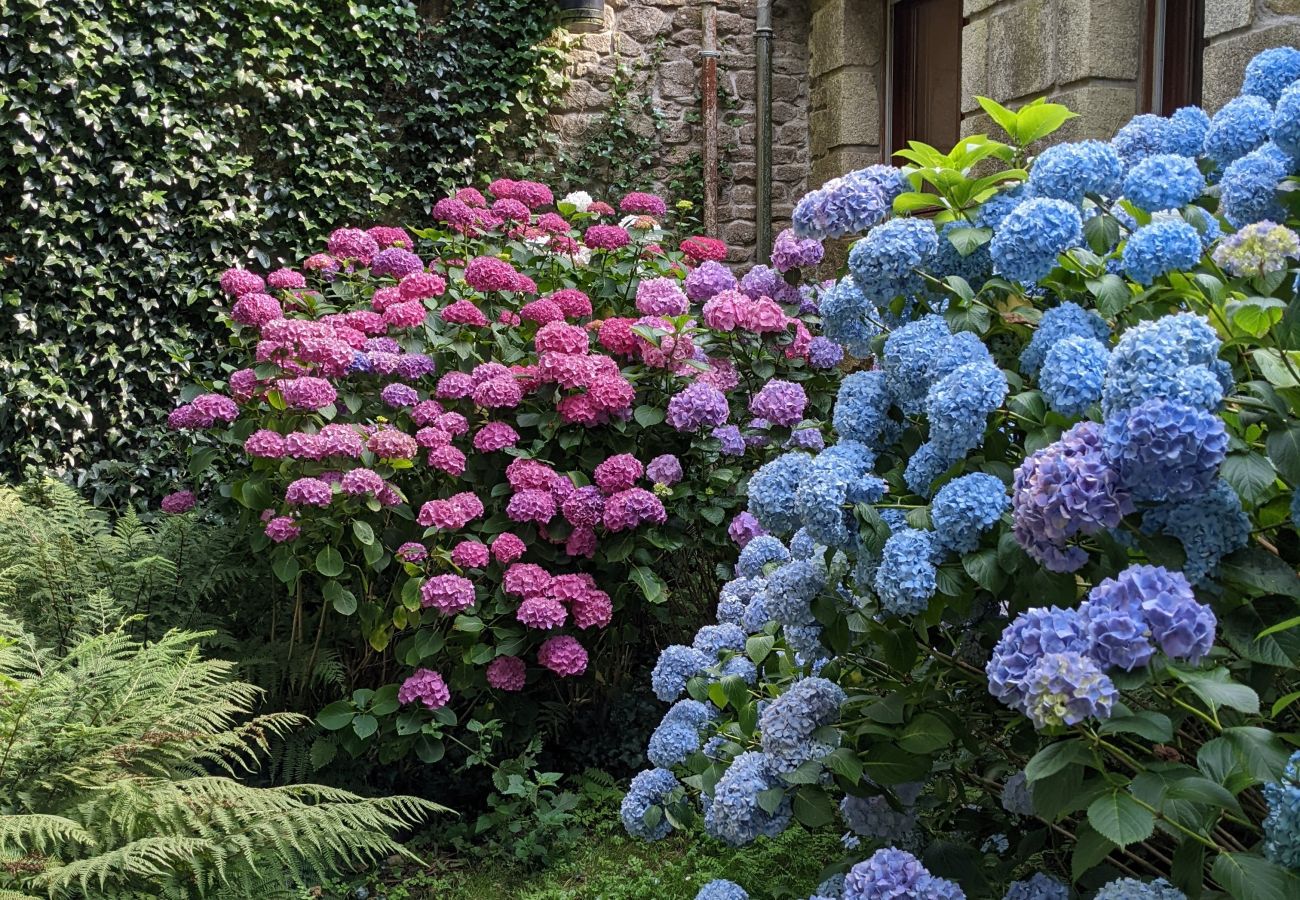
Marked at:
<point>1171,60</point>
<point>924,74</point>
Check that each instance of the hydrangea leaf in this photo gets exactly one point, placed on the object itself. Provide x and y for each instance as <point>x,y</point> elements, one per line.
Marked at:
<point>1120,818</point>
<point>1249,877</point>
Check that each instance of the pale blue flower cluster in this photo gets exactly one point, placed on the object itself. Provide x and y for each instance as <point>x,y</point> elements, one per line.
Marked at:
<point>849,204</point>
<point>1282,827</point>
<point>849,318</point>
<point>1067,320</point>
<point>1174,357</point>
<point>1073,374</point>
<point>1147,135</point>
<point>965,508</point>
<point>1017,798</point>
<point>1040,887</point>
<point>906,579</point>
<point>1238,128</point>
<point>678,735</point>
<point>1271,72</point>
<point>773,494</point>
<point>1209,526</point>
<point>1132,889</point>
<point>733,813</point>
<point>893,874</point>
<point>1071,171</point>
<point>885,262</point>
<point>677,665</point>
<point>653,787</point>
<point>1248,191</point>
<point>722,889</point>
<point>789,723</point>
<point>1165,450</point>
<point>1159,248</point>
<point>1285,129</point>
<point>1030,239</point>
<point>1164,181</point>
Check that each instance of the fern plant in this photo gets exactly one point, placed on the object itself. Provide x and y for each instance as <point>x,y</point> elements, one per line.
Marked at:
<point>120,767</point>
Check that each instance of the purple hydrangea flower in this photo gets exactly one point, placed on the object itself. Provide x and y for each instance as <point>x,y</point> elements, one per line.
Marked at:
<point>707,279</point>
<point>781,402</point>
<point>789,251</point>
<point>1065,689</point>
<point>1165,450</point>
<point>697,406</point>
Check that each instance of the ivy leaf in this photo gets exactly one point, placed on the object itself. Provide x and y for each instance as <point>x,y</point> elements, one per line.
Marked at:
<point>1118,817</point>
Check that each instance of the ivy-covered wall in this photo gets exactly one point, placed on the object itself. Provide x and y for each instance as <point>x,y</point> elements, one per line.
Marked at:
<point>148,144</point>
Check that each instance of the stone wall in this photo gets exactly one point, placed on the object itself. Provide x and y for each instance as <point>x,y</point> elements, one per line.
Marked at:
<point>633,32</point>
<point>1235,30</point>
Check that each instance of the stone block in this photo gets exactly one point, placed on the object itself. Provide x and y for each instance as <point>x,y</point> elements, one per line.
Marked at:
<point>974,63</point>
<point>678,78</point>
<point>840,160</point>
<point>1102,109</point>
<point>1098,39</point>
<point>846,33</point>
<point>972,7</point>
<point>1226,15</point>
<point>1226,59</point>
<point>1284,7</point>
<point>849,111</point>
<point>1020,50</point>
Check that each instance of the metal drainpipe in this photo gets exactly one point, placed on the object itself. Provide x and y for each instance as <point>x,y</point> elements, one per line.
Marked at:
<point>709,101</point>
<point>763,104</point>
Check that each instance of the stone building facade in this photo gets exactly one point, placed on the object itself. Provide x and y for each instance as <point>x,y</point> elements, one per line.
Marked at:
<point>836,63</point>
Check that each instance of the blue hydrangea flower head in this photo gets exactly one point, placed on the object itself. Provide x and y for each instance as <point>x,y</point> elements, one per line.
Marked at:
<point>1186,133</point>
<point>1031,238</point>
<point>1295,509</point>
<point>742,668</point>
<point>924,466</point>
<point>849,318</point>
<point>649,788</point>
<point>824,353</point>
<point>884,263</point>
<point>1143,136</point>
<point>850,204</point>
<point>1182,626</point>
<point>1240,127</point>
<point>1017,797</point>
<point>1165,450</point>
<point>1063,491</point>
<point>791,589</point>
<point>911,361</point>
<point>822,495</point>
<point>758,553</point>
<point>677,664</point>
<point>893,874</point>
<point>1073,374</point>
<point>1040,887</point>
<point>861,407</point>
<point>1065,689</point>
<point>873,817</point>
<point>1132,889</point>
<point>1152,360</point>
<point>787,725</point>
<point>756,613</point>
<point>1282,826</point>
<point>733,814</point>
<point>1164,181</point>
<point>1067,320</point>
<point>959,405</point>
<point>996,208</point>
<point>1031,636</point>
<point>1285,127</point>
<point>906,579</point>
<point>713,639</point>
<point>975,267</point>
<point>803,546</point>
<point>671,743</point>
<point>965,508</point>
<point>1069,171</point>
<point>722,889</point>
<point>1248,192</point>
<point>1271,72</point>
<point>806,642</point>
<point>1159,248</point>
<point>830,889</point>
<point>1209,525</point>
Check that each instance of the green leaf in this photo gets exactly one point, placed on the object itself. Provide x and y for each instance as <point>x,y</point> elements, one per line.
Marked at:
<point>201,460</point>
<point>285,568</point>
<point>335,716</point>
<point>1284,451</point>
<point>1255,315</point>
<point>1035,121</point>
<point>1278,369</point>
<point>1151,725</point>
<point>982,567</point>
<point>363,532</point>
<point>967,240</point>
<point>648,416</point>
<point>758,647</point>
<point>1260,572</point>
<point>887,764</point>
<point>1090,848</point>
<point>651,585</point>
<point>1111,291</point>
<point>770,800</point>
<point>736,690</point>
<point>1202,790</point>
<point>1261,751</point>
<point>845,763</point>
<point>1217,689</point>
<point>925,734</point>
<point>323,751</point>
<point>365,725</point>
<point>1248,877</point>
<point>1251,476</point>
<point>813,808</point>
<point>1118,817</point>
<point>329,562</point>
<point>343,600</point>
<point>1055,757</point>
<point>1005,118</point>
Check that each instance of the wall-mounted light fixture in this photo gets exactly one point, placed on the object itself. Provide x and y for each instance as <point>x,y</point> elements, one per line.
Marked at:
<point>582,16</point>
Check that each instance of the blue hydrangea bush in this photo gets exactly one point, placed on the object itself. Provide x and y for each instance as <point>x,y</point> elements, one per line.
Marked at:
<point>1027,627</point>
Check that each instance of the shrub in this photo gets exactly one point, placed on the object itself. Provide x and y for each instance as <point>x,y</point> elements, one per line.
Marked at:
<point>478,454</point>
<point>1037,624</point>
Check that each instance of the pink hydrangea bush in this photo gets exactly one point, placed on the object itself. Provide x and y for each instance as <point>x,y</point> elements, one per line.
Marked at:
<point>478,441</point>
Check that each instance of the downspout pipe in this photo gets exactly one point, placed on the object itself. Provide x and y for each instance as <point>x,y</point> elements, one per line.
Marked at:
<point>763,109</point>
<point>709,111</point>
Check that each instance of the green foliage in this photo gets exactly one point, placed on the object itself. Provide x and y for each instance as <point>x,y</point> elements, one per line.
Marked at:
<point>107,784</point>
<point>152,144</point>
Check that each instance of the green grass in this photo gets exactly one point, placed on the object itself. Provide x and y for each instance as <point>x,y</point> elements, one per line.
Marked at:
<point>608,865</point>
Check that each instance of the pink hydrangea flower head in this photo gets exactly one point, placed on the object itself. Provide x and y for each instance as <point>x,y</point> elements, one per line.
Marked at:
<point>593,609</point>
<point>722,374</point>
<point>543,613</point>
<point>431,437</point>
<point>661,297</point>
<point>524,579</point>
<point>507,317</point>
<point>568,370</point>
<point>399,396</point>
<point>390,443</point>
<point>243,384</point>
<point>570,587</point>
<point>532,194</point>
<point>385,297</point>
<point>447,459</point>
<point>453,423</point>
<point>524,285</point>
<point>489,370</point>
<point>395,262</point>
<point>382,363</point>
<point>615,335</point>
<point>495,436</point>
<point>507,673</point>
<point>361,481</point>
<point>700,249</point>
<point>762,316</point>
<point>237,282</point>
<point>422,286</point>
<point>282,528</point>
<point>470,555</point>
<point>611,394</point>
<point>498,393</point>
<point>572,302</point>
<point>409,314</point>
<point>323,263</point>
<point>489,274</point>
<point>722,311</point>
<point>413,366</point>
<point>563,655</point>
<point>412,552</point>
<point>462,312</point>
<point>541,312</point>
<point>426,412</point>
<point>309,492</point>
<point>451,514</point>
<point>306,392</point>
<point>471,197</point>
<point>553,223</point>
<point>599,208</point>
<point>353,244</point>
<point>256,309</point>
<point>606,237</point>
<point>510,210</point>
<point>559,337</point>
<point>454,386</point>
<point>665,470</point>
<point>266,444</point>
<point>580,409</point>
<point>531,506</point>
<point>301,445</point>
<point>178,502</point>
<point>507,547</point>
<point>631,508</point>
<point>581,542</point>
<point>427,687</point>
<point>639,204</point>
<point>584,507</point>
<point>337,439</point>
<point>455,212</point>
<point>529,474</point>
<point>390,236</point>
<point>366,321</point>
<point>618,473</point>
<point>286,280</point>
<point>802,341</point>
<point>449,594</point>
